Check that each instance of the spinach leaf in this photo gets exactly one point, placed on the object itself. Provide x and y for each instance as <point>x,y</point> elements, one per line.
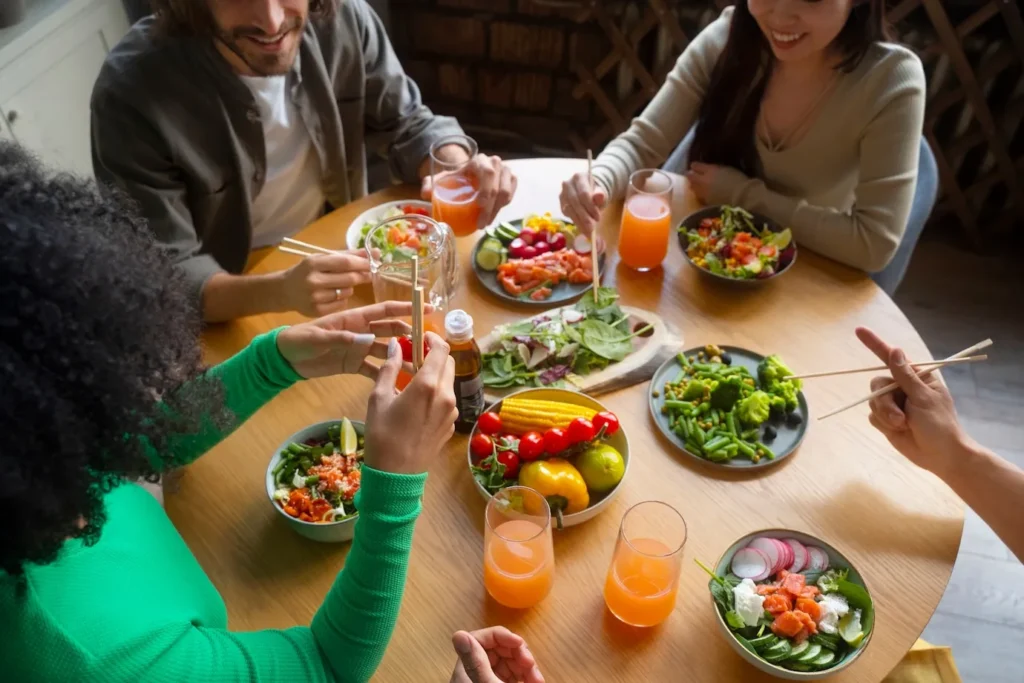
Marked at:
<point>723,597</point>
<point>734,620</point>
<point>606,296</point>
<point>745,643</point>
<point>604,340</point>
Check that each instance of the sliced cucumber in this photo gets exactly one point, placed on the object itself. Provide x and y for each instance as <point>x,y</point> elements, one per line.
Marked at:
<point>777,652</point>
<point>489,256</point>
<point>506,232</point>
<point>829,642</point>
<point>824,660</point>
<point>764,642</point>
<point>809,655</point>
<point>798,650</point>
<point>797,666</point>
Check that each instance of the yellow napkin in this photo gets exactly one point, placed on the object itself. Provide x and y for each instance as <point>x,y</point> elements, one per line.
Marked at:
<point>926,663</point>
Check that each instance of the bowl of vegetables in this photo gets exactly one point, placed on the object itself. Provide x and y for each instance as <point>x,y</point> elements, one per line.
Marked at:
<point>563,444</point>
<point>791,604</point>
<point>731,244</point>
<point>355,236</point>
<point>314,476</point>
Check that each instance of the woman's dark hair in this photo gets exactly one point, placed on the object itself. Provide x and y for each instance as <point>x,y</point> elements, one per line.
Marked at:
<point>726,125</point>
<point>193,18</point>
<point>98,334</point>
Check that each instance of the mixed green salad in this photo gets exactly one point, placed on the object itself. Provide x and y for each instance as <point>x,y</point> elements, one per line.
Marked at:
<point>731,245</point>
<point>552,348</point>
<point>404,239</point>
<point>721,411</point>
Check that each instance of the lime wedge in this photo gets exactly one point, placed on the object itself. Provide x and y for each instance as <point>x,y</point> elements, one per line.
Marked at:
<point>349,438</point>
<point>850,628</point>
<point>782,239</point>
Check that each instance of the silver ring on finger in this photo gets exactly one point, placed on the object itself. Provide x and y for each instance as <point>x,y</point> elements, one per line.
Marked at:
<point>337,295</point>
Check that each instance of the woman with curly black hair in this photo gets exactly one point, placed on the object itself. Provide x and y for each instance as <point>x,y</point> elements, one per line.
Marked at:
<point>100,384</point>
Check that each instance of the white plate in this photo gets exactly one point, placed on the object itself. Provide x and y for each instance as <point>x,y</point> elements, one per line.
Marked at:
<point>374,215</point>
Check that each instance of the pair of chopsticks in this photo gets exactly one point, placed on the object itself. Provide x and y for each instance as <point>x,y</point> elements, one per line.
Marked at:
<point>965,356</point>
<point>593,245</point>
<point>417,315</point>
<point>304,245</point>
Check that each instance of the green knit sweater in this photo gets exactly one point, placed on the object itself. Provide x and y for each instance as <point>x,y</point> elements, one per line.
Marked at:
<point>136,606</point>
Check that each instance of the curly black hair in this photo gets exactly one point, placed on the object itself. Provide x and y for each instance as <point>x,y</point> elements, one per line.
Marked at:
<point>98,337</point>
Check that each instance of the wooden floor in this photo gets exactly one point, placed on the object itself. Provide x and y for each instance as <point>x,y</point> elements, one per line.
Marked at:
<point>955,300</point>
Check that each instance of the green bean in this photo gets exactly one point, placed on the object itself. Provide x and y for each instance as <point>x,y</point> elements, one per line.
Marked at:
<point>305,463</point>
<point>750,434</point>
<point>716,416</point>
<point>718,456</point>
<point>684,425</point>
<point>731,449</point>
<point>289,472</point>
<point>683,360</point>
<point>280,466</point>
<point>698,435</point>
<point>716,443</point>
<point>297,448</point>
<point>312,480</point>
<point>769,453</point>
<point>745,449</point>
<point>678,405</point>
<point>730,423</point>
<point>703,408</point>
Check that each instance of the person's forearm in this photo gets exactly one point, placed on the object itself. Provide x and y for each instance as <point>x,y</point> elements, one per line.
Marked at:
<point>226,296</point>
<point>991,487</point>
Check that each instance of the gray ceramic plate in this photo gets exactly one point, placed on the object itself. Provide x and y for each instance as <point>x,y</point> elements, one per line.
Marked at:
<point>692,222</point>
<point>787,441</point>
<point>564,292</point>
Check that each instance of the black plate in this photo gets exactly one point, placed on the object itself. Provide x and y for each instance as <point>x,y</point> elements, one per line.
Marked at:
<point>692,222</point>
<point>787,441</point>
<point>563,293</point>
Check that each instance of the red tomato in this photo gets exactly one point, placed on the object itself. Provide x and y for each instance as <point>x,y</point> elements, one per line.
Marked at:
<point>555,441</point>
<point>406,344</point>
<point>580,430</point>
<point>481,445</point>
<point>489,423</point>
<point>511,462</point>
<point>529,252</point>
<point>531,446</point>
<point>528,236</point>
<point>607,420</point>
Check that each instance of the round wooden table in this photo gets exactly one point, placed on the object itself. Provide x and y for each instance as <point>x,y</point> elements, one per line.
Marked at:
<point>900,525</point>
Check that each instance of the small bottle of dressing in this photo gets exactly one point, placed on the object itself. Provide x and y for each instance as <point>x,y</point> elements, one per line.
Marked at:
<point>469,383</point>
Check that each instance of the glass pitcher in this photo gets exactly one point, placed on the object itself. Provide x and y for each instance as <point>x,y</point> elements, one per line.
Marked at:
<point>390,247</point>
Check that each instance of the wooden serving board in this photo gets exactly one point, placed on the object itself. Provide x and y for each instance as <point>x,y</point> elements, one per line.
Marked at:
<point>649,353</point>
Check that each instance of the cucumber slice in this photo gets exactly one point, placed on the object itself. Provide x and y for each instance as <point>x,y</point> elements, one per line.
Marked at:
<point>824,660</point>
<point>489,255</point>
<point>809,655</point>
<point>827,641</point>
<point>764,642</point>
<point>777,652</point>
<point>796,666</point>
<point>506,232</point>
<point>798,650</point>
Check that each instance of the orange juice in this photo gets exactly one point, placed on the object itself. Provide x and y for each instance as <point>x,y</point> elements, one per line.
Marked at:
<point>641,590</point>
<point>454,202</point>
<point>643,237</point>
<point>518,563</point>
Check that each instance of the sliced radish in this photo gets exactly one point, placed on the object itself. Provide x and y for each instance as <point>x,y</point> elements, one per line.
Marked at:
<point>785,555</point>
<point>771,550</point>
<point>799,554</point>
<point>581,244</point>
<point>752,564</point>
<point>818,559</point>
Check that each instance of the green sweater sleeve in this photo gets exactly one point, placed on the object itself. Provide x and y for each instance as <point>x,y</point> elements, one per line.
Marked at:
<point>251,378</point>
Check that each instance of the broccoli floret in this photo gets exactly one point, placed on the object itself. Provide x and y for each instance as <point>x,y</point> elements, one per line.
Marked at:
<point>778,406</point>
<point>695,390</point>
<point>754,409</point>
<point>772,374</point>
<point>787,390</point>
<point>725,395</point>
<point>772,369</point>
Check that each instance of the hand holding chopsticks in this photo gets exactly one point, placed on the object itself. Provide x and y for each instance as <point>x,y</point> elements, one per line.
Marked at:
<point>417,316</point>
<point>594,239</point>
<point>323,281</point>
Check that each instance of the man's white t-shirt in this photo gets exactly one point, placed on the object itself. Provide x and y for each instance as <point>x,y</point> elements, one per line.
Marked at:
<point>292,195</point>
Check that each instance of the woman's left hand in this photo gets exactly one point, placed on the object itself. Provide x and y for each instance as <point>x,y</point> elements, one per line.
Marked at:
<point>340,343</point>
<point>708,181</point>
<point>493,655</point>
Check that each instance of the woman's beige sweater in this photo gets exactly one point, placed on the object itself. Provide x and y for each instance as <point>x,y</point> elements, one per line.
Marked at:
<point>845,188</point>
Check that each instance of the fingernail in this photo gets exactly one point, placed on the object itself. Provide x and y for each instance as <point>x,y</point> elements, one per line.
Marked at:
<point>393,348</point>
<point>898,357</point>
<point>367,339</point>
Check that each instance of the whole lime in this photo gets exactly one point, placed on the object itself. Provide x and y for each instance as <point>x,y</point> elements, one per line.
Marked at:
<point>601,467</point>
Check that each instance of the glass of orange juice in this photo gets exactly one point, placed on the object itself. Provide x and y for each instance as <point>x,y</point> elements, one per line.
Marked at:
<point>646,220</point>
<point>519,558</point>
<point>455,189</point>
<point>644,575</point>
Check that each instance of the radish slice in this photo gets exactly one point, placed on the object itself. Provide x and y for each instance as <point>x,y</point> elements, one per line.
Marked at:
<point>582,246</point>
<point>785,554</point>
<point>752,564</point>
<point>799,554</point>
<point>818,559</point>
<point>771,551</point>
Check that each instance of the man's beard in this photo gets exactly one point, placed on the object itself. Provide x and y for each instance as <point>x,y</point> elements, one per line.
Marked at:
<point>262,63</point>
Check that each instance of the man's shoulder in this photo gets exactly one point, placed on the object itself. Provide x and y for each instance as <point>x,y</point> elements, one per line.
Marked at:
<point>142,56</point>
<point>343,31</point>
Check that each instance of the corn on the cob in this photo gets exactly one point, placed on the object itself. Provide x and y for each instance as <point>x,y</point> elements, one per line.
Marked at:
<point>522,415</point>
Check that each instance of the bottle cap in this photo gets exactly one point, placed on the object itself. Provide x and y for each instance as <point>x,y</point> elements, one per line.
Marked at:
<point>458,325</point>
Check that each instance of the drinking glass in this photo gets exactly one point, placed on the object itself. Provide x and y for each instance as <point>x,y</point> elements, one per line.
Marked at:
<point>643,578</point>
<point>646,220</point>
<point>519,558</point>
<point>455,189</point>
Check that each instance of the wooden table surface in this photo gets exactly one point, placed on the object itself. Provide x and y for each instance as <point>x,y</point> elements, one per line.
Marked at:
<point>899,525</point>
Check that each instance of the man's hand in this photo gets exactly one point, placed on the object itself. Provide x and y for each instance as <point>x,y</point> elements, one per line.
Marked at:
<point>321,284</point>
<point>493,655</point>
<point>496,182</point>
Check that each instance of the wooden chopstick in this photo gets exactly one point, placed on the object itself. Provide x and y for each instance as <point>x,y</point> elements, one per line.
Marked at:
<point>880,368</point>
<point>595,257</point>
<point>297,243</point>
<point>892,386</point>
<point>417,316</point>
<point>297,252</point>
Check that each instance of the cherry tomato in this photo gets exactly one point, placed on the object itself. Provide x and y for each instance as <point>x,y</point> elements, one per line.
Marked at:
<point>481,445</point>
<point>607,420</point>
<point>531,446</point>
<point>555,441</point>
<point>489,423</point>
<point>528,236</point>
<point>542,247</point>
<point>406,344</point>
<point>557,241</point>
<point>511,462</point>
<point>415,210</point>
<point>529,252</point>
<point>580,430</point>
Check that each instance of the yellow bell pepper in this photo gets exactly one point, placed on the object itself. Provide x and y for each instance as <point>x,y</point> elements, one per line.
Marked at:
<point>559,482</point>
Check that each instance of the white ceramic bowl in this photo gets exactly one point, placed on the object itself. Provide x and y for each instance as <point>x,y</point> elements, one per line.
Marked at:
<point>618,441</point>
<point>330,532</point>
<point>835,559</point>
<point>375,215</point>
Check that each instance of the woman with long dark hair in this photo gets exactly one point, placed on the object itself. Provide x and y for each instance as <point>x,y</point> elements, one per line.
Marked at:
<point>101,384</point>
<point>804,113</point>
